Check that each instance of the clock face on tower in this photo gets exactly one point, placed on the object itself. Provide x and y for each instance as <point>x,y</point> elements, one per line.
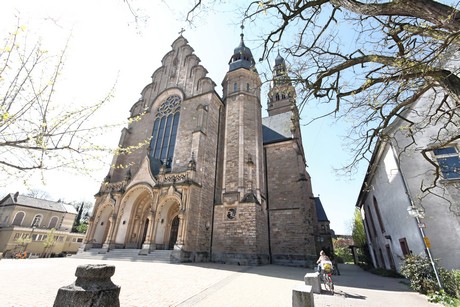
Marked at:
<point>231,213</point>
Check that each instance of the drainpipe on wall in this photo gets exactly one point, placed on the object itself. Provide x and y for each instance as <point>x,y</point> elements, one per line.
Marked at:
<point>417,219</point>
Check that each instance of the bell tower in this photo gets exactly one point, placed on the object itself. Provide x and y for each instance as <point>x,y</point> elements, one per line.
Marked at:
<point>240,234</point>
<point>281,97</point>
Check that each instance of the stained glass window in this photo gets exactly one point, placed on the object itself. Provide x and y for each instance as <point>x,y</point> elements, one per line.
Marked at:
<point>164,134</point>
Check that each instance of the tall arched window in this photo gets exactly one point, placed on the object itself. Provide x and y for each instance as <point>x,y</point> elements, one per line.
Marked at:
<point>53,222</point>
<point>37,220</point>
<point>379,217</point>
<point>18,218</point>
<point>164,134</point>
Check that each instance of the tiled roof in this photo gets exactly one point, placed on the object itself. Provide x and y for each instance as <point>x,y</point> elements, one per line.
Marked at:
<point>277,128</point>
<point>320,213</point>
<point>12,199</point>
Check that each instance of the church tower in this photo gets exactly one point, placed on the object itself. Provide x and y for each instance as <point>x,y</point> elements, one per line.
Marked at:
<point>282,94</point>
<point>240,230</point>
<point>290,202</point>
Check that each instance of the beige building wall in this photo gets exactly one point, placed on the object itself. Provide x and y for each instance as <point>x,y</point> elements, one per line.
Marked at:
<point>21,235</point>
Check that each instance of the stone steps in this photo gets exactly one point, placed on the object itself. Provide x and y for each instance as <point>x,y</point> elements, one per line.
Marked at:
<point>162,256</point>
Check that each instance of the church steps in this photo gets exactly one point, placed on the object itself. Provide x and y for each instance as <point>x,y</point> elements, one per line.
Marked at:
<point>162,256</point>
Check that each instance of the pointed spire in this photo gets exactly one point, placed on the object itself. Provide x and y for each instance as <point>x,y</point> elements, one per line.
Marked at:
<point>279,59</point>
<point>242,36</point>
<point>280,74</point>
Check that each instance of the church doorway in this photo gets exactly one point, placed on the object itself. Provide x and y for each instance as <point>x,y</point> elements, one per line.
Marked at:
<point>138,223</point>
<point>173,233</point>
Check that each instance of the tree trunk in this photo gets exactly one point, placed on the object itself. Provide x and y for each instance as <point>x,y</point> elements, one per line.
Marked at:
<point>441,15</point>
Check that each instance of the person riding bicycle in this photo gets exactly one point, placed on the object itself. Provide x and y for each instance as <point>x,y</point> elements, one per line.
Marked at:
<point>324,263</point>
<point>325,270</point>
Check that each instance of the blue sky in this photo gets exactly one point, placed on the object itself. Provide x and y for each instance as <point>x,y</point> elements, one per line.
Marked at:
<point>105,47</point>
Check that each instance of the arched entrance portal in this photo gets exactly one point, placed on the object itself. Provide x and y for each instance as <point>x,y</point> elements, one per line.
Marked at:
<point>173,232</point>
<point>101,226</point>
<point>138,222</point>
<point>167,231</point>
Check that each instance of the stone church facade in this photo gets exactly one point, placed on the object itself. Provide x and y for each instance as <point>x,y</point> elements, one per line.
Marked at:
<point>206,176</point>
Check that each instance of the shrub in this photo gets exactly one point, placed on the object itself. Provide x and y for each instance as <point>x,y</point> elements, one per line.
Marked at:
<point>422,278</point>
<point>343,254</point>
<point>450,281</point>
<point>420,273</point>
<point>443,298</point>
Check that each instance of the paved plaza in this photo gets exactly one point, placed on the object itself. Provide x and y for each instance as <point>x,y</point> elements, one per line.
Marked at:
<point>35,282</point>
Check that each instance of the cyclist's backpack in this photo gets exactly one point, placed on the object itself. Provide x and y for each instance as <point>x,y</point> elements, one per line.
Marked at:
<point>327,267</point>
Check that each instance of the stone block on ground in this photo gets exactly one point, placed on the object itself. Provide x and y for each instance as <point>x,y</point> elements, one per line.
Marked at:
<point>302,296</point>
<point>92,288</point>
<point>313,280</point>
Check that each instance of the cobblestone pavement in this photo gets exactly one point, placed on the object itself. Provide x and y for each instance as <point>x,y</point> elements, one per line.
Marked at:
<point>35,282</point>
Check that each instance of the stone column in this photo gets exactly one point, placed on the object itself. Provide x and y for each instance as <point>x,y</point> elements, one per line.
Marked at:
<point>118,209</point>
<point>182,216</point>
<point>93,221</point>
<point>93,287</point>
<point>108,241</point>
<point>180,231</point>
<point>88,243</point>
<point>155,227</point>
<point>147,244</point>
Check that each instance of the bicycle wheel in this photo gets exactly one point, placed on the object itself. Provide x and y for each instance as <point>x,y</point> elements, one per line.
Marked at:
<point>330,284</point>
<point>325,282</point>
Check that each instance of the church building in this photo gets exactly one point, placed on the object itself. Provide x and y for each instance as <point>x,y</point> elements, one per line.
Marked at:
<point>205,175</point>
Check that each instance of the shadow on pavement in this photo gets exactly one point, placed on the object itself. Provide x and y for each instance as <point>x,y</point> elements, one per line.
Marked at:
<point>349,295</point>
<point>352,276</point>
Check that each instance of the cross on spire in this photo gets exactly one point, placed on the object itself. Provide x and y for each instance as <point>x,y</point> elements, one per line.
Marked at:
<point>182,30</point>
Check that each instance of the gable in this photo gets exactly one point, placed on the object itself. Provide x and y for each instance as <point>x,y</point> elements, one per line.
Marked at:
<point>180,69</point>
<point>277,128</point>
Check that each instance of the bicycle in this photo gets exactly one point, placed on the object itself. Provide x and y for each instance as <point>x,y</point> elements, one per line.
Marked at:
<point>326,276</point>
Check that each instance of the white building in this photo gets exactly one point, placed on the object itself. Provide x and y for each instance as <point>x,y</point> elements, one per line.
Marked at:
<point>401,176</point>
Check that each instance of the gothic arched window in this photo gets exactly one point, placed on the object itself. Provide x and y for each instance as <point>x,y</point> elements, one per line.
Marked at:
<point>164,134</point>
